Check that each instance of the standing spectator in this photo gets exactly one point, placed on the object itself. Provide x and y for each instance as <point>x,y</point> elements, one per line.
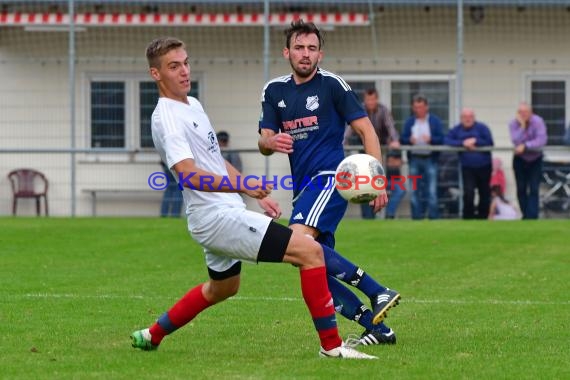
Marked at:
<point>475,165</point>
<point>383,124</point>
<point>566,139</point>
<point>171,205</point>
<point>528,134</point>
<point>230,156</point>
<point>422,129</point>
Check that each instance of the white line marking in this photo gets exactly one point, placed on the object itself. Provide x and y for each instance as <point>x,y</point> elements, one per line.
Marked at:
<point>281,299</point>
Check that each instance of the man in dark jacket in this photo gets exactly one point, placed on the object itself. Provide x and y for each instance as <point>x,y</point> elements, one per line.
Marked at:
<point>476,166</point>
<point>423,129</point>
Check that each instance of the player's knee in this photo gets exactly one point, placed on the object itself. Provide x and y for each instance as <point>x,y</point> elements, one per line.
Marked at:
<point>314,255</point>
<point>217,291</point>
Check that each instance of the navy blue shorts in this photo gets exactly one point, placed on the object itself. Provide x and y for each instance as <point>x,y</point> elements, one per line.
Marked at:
<point>319,205</point>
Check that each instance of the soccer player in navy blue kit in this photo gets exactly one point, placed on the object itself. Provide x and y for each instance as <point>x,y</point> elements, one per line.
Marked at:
<point>304,115</point>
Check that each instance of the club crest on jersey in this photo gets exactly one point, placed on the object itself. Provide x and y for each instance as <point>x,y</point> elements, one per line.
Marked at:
<point>213,143</point>
<point>211,137</point>
<point>312,103</point>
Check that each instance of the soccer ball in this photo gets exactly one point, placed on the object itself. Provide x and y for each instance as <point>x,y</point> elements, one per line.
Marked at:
<point>360,178</point>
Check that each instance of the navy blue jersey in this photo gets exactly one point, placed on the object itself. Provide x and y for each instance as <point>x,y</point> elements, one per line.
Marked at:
<point>315,114</point>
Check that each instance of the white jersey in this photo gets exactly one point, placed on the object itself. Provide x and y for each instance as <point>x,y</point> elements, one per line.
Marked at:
<point>181,131</point>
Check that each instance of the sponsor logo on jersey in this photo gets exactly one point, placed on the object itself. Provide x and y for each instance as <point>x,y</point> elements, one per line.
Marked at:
<point>281,104</point>
<point>312,103</point>
<point>308,121</point>
<point>195,124</point>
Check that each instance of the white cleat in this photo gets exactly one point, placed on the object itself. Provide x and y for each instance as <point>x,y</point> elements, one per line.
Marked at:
<point>344,352</point>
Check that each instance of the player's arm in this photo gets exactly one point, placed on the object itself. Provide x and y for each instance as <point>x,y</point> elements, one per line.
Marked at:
<point>196,178</point>
<point>232,170</point>
<point>270,141</point>
<point>269,205</point>
<point>363,127</point>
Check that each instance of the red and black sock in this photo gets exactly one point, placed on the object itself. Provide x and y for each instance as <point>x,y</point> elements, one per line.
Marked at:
<point>180,314</point>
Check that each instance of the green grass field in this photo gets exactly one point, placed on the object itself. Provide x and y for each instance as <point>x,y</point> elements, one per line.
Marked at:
<point>479,300</point>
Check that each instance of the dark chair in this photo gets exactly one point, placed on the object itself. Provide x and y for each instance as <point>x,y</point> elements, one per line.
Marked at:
<point>28,183</point>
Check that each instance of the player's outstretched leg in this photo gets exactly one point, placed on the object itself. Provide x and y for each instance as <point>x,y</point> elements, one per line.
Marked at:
<point>382,298</point>
<point>350,307</point>
<point>188,307</point>
<point>181,313</point>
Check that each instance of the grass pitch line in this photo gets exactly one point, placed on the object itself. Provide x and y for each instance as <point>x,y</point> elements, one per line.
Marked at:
<point>282,299</point>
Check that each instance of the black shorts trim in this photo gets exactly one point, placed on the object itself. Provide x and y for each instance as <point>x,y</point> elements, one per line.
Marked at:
<point>234,270</point>
<point>274,243</point>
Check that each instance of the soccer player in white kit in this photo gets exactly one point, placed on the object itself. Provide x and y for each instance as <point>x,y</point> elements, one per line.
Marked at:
<point>217,217</point>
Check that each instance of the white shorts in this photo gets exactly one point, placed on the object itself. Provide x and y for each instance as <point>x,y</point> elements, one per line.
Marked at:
<point>228,235</point>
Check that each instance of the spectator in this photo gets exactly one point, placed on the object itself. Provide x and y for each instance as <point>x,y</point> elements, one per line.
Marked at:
<point>500,208</point>
<point>498,175</point>
<point>383,123</point>
<point>423,129</point>
<point>475,165</point>
<point>230,156</point>
<point>528,134</point>
<point>567,136</point>
<point>172,198</point>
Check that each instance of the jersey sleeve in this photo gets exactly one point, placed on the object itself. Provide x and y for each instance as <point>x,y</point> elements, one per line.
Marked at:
<point>176,149</point>
<point>345,100</point>
<point>269,117</point>
<point>170,133</point>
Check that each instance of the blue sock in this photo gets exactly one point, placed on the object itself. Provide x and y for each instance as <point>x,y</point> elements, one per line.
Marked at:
<point>350,306</point>
<point>349,273</point>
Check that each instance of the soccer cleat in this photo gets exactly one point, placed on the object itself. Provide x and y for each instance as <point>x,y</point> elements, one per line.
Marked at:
<point>141,339</point>
<point>371,337</point>
<point>382,303</point>
<point>344,352</point>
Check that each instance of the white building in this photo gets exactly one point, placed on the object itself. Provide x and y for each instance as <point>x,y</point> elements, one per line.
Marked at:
<point>510,51</point>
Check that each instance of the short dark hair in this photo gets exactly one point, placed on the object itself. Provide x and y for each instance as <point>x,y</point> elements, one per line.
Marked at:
<point>301,27</point>
<point>161,46</point>
<point>223,136</point>
<point>420,98</point>
<point>371,91</point>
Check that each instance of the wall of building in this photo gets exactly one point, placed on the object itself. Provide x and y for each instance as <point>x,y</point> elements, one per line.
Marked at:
<point>500,53</point>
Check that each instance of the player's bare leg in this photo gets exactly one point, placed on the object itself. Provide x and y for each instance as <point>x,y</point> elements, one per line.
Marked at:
<point>307,254</point>
<point>342,269</point>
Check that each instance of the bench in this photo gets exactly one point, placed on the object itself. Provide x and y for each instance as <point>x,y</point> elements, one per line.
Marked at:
<point>93,193</point>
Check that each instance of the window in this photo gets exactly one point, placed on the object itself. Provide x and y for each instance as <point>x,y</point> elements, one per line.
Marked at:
<point>121,110</point>
<point>107,114</point>
<point>548,99</point>
<point>396,91</point>
<point>436,92</point>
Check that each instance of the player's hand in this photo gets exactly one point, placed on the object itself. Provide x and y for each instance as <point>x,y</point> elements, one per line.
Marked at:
<point>379,203</point>
<point>281,142</point>
<point>270,206</point>
<point>257,189</point>
<point>426,138</point>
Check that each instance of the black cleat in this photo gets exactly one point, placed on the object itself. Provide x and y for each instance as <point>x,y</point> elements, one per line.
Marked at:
<point>382,302</point>
<point>372,337</point>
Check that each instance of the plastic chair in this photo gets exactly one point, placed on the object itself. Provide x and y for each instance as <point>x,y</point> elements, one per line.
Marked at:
<point>24,184</point>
